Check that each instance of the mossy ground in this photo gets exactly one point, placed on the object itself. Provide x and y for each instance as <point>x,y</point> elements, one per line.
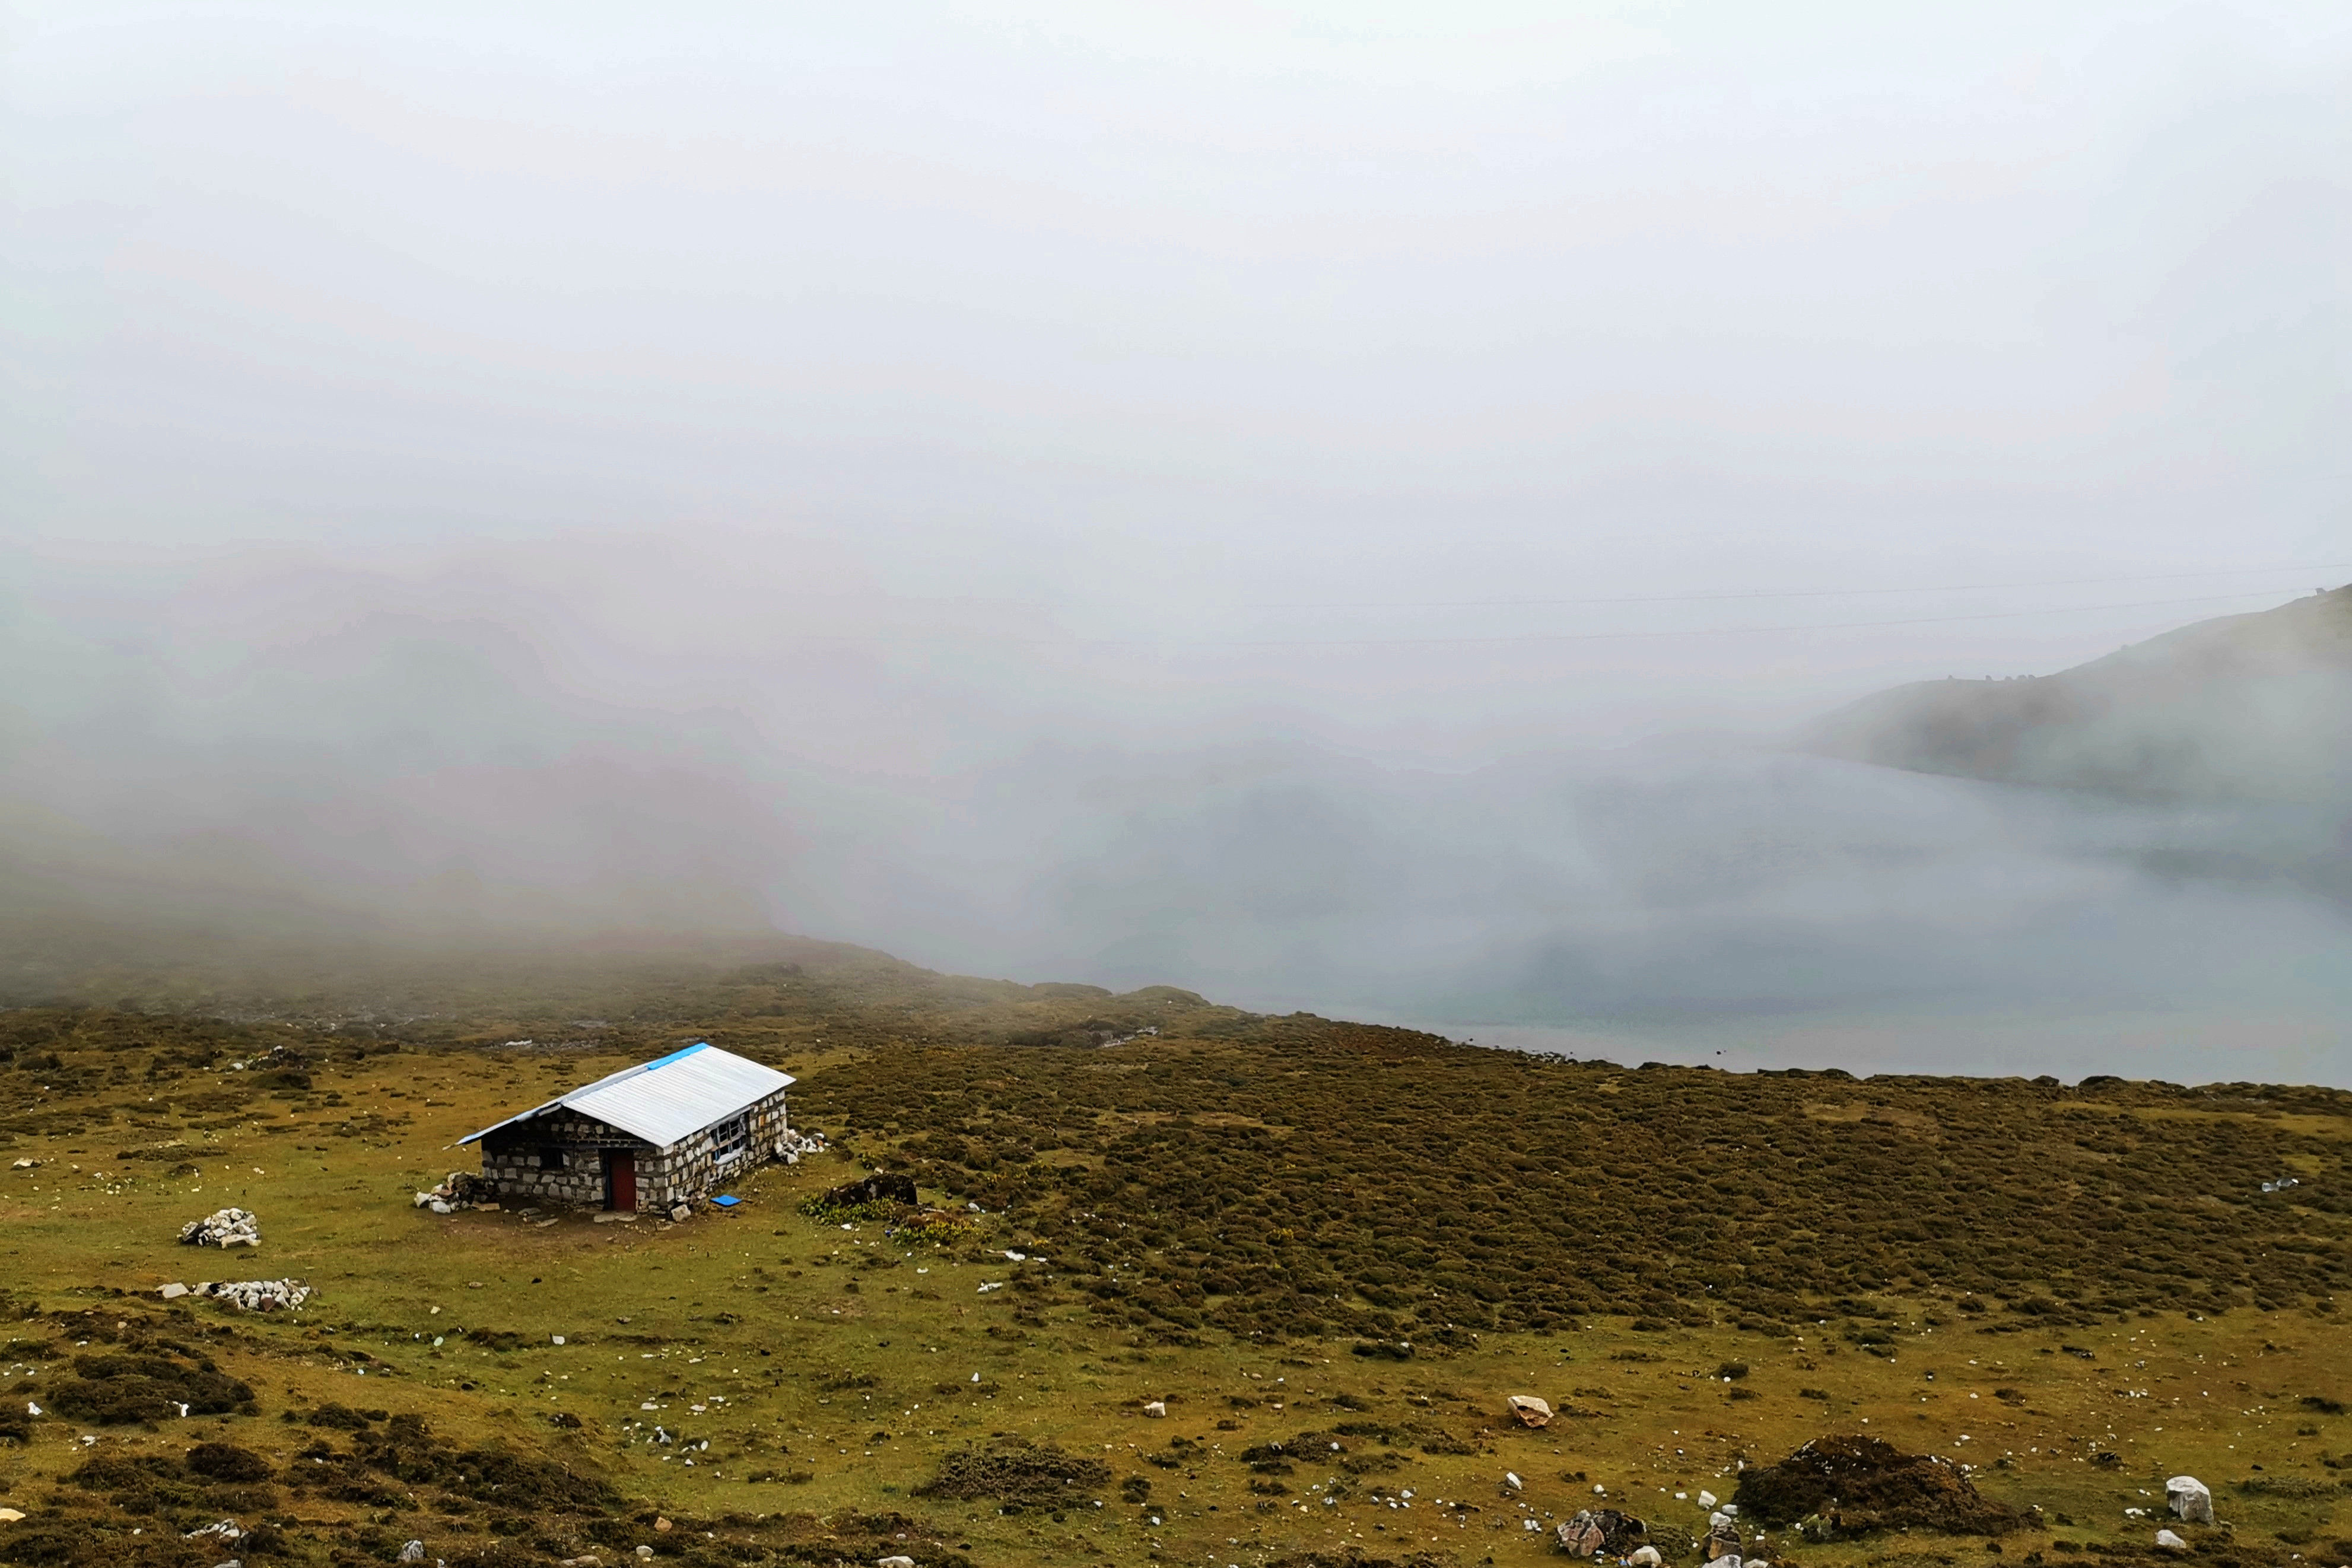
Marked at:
<point>2080,1292</point>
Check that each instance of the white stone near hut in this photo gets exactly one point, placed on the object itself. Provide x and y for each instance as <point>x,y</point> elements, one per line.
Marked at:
<point>1530,1410</point>
<point>171,1292</point>
<point>1707,1499</point>
<point>1644,1557</point>
<point>2168,1542</point>
<point>2190,1501</point>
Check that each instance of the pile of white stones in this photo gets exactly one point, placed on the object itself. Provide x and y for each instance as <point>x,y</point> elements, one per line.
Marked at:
<point>460,1189</point>
<point>792,1145</point>
<point>256,1295</point>
<point>229,1227</point>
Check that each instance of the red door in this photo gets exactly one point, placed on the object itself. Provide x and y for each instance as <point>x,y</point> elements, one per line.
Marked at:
<point>620,1180</point>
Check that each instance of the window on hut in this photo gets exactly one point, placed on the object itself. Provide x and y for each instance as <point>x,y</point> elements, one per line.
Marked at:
<point>729,1139</point>
<point>551,1157</point>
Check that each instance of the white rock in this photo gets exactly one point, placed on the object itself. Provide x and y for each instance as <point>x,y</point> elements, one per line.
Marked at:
<point>1156,1408</point>
<point>2189,1500</point>
<point>413,1551</point>
<point>437,1206</point>
<point>558,1339</point>
<point>422,1199</point>
<point>1645,1557</point>
<point>894,1562</point>
<point>1729,1560</point>
<point>9,1515</point>
<point>1530,1410</point>
<point>1707,1499</point>
<point>2168,1542</point>
<point>1511,1480</point>
<point>171,1292</point>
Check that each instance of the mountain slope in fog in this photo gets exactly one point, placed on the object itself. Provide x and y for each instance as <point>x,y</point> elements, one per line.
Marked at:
<point>2245,707</point>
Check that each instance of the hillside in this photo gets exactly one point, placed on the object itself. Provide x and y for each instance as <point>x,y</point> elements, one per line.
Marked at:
<point>1201,1286</point>
<point>2245,707</point>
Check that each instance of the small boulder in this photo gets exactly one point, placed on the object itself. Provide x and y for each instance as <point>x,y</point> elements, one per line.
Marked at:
<point>1644,1557</point>
<point>1580,1537</point>
<point>1530,1410</point>
<point>2190,1501</point>
<point>895,1561</point>
<point>2168,1542</point>
<point>412,1552</point>
<point>9,1515</point>
<point>171,1292</point>
<point>1156,1408</point>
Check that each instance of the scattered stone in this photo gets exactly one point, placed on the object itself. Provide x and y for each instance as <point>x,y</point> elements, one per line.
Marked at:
<point>171,1292</point>
<point>1644,1557</point>
<point>1530,1410</point>
<point>1156,1408</point>
<point>661,1524</point>
<point>229,1227</point>
<point>1707,1499</point>
<point>2168,1542</point>
<point>613,1217</point>
<point>24,1166</point>
<point>1510,1478</point>
<point>899,1561</point>
<point>2189,1500</point>
<point>9,1515</point>
<point>578,1563</point>
<point>413,1551</point>
<point>1729,1560</point>
<point>681,1211</point>
<point>225,1531</point>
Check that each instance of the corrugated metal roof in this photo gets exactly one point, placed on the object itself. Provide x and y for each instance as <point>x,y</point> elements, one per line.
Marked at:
<point>664,1099</point>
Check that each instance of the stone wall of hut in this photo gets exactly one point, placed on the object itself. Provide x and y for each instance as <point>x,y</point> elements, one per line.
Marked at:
<point>697,1165</point>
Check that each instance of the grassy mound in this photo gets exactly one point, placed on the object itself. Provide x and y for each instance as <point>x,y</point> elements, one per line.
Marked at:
<point>1856,1485</point>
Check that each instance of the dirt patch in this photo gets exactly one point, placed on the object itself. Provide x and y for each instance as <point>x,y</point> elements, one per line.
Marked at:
<point>1853,1485</point>
<point>1016,1472</point>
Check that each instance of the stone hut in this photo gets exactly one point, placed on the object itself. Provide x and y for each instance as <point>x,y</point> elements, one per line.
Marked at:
<point>645,1138</point>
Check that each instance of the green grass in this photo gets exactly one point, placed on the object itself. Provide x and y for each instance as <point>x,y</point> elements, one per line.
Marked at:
<point>2080,1292</point>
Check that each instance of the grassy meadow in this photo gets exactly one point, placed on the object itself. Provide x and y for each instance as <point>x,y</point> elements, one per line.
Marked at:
<point>1330,1252</point>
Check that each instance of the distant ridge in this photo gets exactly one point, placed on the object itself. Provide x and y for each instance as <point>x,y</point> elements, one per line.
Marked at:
<point>2245,707</point>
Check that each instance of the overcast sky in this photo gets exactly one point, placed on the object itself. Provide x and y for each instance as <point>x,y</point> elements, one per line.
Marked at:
<point>1027,484</point>
<point>1168,339</point>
